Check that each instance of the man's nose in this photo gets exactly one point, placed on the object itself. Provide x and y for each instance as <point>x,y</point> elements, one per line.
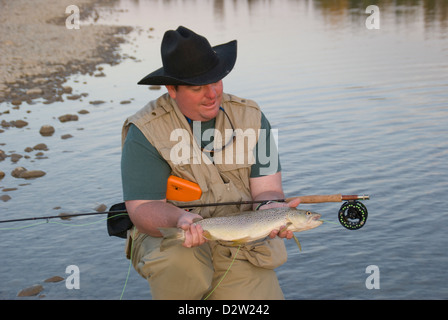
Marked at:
<point>210,91</point>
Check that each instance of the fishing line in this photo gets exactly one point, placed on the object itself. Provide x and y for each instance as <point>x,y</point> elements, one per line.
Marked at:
<point>81,225</point>
<point>130,264</point>
<point>224,275</point>
<point>327,221</point>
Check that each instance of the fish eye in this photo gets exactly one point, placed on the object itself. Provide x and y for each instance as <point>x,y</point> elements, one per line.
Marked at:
<point>308,213</point>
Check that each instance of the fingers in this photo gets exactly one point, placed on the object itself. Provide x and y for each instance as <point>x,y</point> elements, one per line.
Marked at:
<point>294,202</point>
<point>193,236</point>
<point>193,232</point>
<point>281,233</point>
<point>186,219</point>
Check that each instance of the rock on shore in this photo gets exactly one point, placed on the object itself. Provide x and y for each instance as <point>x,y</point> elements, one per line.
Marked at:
<point>31,291</point>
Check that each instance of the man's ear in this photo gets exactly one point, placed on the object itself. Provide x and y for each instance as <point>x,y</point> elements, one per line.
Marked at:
<point>171,91</point>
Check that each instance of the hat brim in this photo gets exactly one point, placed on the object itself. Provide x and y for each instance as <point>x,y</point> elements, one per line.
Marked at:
<point>227,57</point>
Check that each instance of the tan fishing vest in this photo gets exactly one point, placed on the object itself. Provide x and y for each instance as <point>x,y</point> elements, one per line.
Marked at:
<point>227,179</point>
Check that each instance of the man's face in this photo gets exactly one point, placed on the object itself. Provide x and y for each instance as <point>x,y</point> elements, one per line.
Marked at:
<point>199,103</point>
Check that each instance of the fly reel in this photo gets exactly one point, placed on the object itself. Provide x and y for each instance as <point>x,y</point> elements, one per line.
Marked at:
<point>352,215</point>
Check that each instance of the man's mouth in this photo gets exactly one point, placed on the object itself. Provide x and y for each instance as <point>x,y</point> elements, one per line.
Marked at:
<point>209,104</point>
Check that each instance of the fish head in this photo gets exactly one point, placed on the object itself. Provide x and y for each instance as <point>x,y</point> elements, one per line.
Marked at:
<point>302,220</point>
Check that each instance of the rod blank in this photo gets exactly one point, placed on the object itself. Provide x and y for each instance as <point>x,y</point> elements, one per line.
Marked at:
<point>303,199</point>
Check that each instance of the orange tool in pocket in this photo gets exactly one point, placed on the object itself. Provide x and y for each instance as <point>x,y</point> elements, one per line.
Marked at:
<point>179,189</point>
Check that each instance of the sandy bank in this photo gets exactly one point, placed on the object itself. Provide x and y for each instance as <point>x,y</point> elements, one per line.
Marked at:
<point>38,51</point>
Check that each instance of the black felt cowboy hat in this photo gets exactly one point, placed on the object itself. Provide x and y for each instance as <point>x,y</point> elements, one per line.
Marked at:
<point>188,59</point>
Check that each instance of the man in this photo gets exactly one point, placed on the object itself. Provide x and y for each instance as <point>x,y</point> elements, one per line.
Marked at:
<point>196,112</point>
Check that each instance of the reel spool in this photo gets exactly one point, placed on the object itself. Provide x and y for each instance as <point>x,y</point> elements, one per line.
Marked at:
<point>352,215</point>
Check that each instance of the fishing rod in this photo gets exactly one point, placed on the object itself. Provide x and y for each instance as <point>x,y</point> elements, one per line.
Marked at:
<point>352,214</point>
<point>120,208</point>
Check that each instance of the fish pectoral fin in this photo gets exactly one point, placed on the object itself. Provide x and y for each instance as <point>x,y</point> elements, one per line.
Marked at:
<point>297,241</point>
<point>284,227</point>
<point>294,236</point>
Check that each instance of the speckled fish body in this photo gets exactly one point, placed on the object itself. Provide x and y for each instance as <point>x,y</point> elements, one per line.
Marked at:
<point>250,225</point>
<point>254,225</point>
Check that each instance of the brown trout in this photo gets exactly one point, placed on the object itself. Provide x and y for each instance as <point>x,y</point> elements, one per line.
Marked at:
<point>247,226</point>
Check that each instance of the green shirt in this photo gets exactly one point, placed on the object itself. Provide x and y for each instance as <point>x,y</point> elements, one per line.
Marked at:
<point>145,173</point>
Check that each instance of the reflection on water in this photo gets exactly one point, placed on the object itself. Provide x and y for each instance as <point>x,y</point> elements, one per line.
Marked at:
<point>358,111</point>
<point>434,13</point>
<point>432,10</point>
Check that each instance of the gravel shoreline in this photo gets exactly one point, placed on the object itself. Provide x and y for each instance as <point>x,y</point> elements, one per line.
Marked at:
<point>37,55</point>
<point>38,51</point>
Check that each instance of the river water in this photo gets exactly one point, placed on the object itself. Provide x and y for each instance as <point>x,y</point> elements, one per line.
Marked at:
<point>358,111</point>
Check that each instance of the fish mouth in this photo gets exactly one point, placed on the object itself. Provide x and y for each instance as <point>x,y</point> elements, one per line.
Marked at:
<point>316,219</point>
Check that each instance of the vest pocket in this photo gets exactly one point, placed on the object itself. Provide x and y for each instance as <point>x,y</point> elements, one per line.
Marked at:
<point>180,153</point>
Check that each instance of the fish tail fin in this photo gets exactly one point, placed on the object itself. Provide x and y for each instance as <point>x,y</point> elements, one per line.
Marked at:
<point>171,237</point>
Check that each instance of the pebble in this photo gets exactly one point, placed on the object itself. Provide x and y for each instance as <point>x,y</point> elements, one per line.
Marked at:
<point>68,117</point>
<point>32,174</point>
<point>46,130</point>
<point>101,208</point>
<point>31,291</point>
<point>2,175</point>
<point>63,215</point>
<point>17,172</point>
<point>67,89</point>
<point>74,97</point>
<point>5,124</point>
<point>9,189</point>
<point>40,155</point>
<point>66,136</point>
<point>16,123</point>
<point>23,173</point>
<point>96,102</point>
<point>16,157</point>
<point>40,80</point>
<point>5,198</point>
<point>19,123</point>
<point>40,146</point>
<point>34,91</point>
<point>54,279</point>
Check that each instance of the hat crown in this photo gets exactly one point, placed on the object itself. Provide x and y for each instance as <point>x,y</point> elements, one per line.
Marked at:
<point>186,54</point>
<point>188,59</point>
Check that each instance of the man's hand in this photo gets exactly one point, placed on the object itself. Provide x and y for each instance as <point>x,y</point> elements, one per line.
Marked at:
<point>282,232</point>
<point>193,233</point>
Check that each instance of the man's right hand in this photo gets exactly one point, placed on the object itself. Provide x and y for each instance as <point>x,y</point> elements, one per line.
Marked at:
<point>193,232</point>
